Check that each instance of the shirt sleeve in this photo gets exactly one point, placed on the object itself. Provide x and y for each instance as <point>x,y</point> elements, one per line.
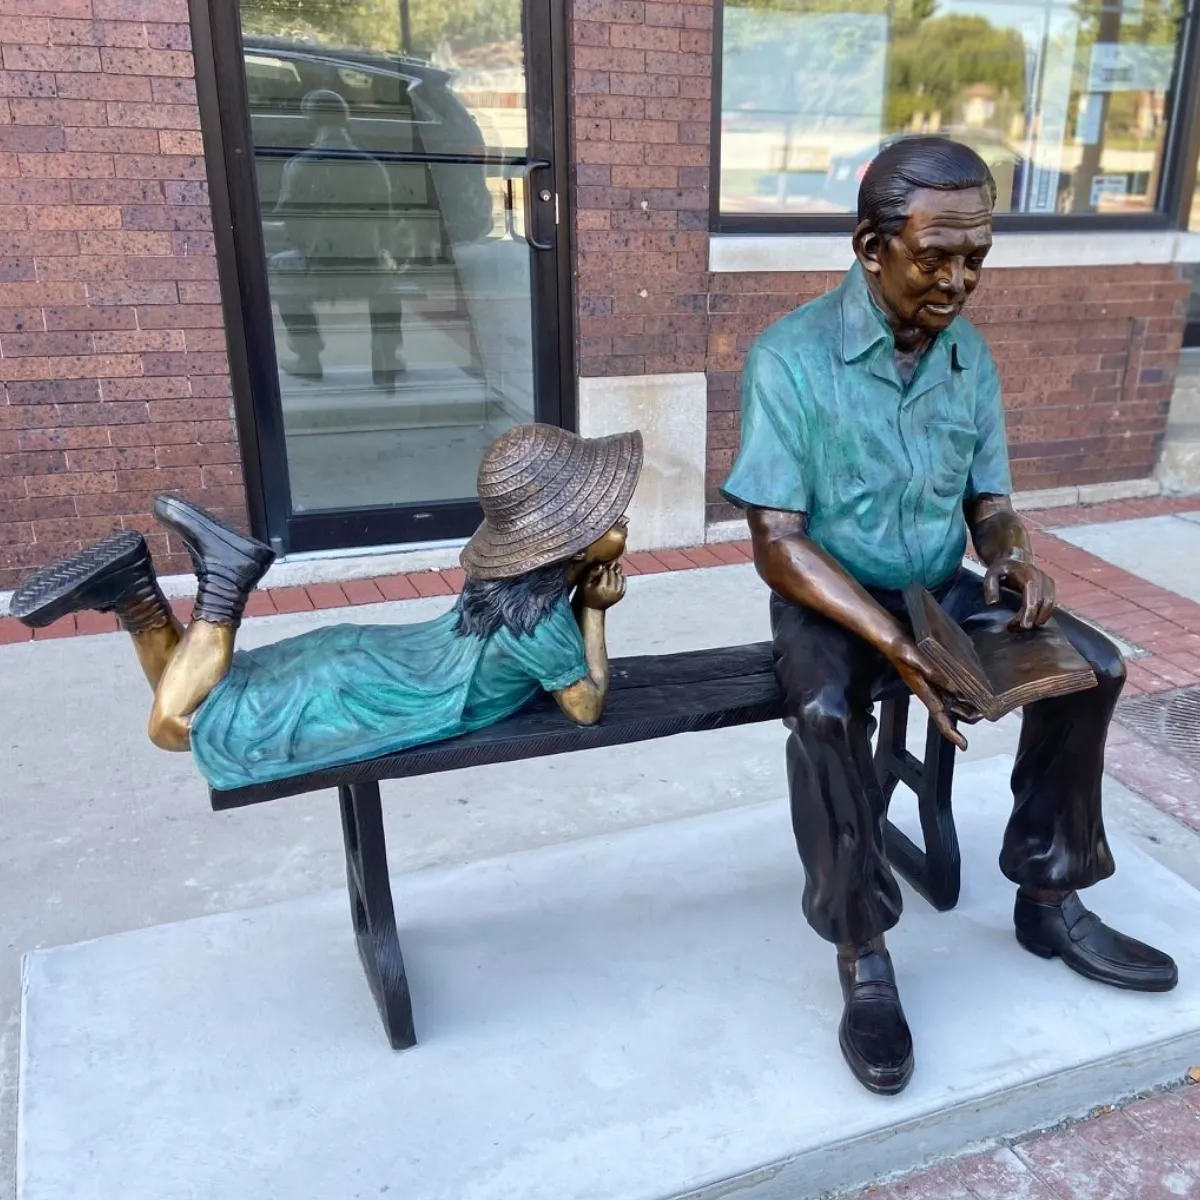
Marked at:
<point>553,653</point>
<point>771,469</point>
<point>990,473</point>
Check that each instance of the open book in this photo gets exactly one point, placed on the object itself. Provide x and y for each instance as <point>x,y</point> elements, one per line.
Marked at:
<point>994,668</point>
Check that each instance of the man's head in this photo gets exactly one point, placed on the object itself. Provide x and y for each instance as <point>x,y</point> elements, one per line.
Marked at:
<point>924,227</point>
<point>324,108</point>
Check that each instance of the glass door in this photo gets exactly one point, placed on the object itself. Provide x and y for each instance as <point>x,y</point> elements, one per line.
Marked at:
<point>395,211</point>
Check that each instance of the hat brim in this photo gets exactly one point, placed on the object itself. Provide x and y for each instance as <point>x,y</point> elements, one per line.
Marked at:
<point>572,513</point>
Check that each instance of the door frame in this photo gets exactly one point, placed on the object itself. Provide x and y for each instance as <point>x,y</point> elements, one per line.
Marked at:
<point>245,297</point>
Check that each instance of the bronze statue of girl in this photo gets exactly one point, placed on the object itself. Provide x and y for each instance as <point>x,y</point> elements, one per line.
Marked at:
<point>541,573</point>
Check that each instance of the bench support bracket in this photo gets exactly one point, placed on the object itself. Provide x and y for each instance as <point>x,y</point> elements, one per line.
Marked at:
<point>371,910</point>
<point>936,871</point>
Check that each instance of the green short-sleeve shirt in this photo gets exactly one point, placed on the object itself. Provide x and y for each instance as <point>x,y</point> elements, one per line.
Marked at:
<point>882,470</point>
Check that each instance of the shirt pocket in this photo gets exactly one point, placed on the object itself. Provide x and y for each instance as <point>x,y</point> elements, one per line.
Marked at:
<point>951,452</point>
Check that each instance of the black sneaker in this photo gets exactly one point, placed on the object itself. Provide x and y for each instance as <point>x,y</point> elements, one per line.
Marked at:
<point>98,577</point>
<point>228,565</point>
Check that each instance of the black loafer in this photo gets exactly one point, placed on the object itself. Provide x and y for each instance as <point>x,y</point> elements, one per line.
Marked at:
<point>1069,931</point>
<point>95,578</point>
<point>874,1036</point>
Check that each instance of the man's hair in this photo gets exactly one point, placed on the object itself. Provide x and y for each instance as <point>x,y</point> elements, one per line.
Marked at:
<point>910,164</point>
<point>325,107</point>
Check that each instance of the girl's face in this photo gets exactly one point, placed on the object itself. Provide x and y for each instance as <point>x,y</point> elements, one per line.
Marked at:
<point>609,546</point>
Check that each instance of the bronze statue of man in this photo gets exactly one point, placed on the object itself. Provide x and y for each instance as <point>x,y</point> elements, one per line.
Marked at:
<point>872,442</point>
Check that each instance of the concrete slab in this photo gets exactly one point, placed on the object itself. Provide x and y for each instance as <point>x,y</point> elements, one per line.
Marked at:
<point>633,1017</point>
<point>1163,550</point>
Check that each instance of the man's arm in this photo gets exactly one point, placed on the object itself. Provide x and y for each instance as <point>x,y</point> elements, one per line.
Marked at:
<point>1003,545</point>
<point>798,570</point>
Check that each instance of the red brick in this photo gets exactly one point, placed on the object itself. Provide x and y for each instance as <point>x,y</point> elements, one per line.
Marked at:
<point>53,58</point>
<point>260,604</point>
<point>145,62</point>
<point>104,87</point>
<point>326,595</point>
<point>396,587</point>
<point>141,10</point>
<point>63,627</point>
<point>362,591</point>
<point>645,564</point>
<point>12,631</point>
<point>95,622</point>
<point>430,583</point>
<point>456,578</point>
<point>290,599</point>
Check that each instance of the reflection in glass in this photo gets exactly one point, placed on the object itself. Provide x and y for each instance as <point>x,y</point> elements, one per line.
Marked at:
<point>397,263</point>
<point>1065,99</point>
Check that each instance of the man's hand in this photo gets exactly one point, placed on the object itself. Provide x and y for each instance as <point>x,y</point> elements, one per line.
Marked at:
<point>1035,586</point>
<point>923,678</point>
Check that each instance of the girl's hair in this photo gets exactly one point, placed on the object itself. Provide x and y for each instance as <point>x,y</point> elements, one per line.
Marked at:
<point>518,605</point>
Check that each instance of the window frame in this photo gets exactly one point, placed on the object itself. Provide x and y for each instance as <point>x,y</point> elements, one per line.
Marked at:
<point>1175,189</point>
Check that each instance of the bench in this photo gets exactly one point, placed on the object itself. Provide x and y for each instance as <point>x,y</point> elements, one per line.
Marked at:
<point>650,697</point>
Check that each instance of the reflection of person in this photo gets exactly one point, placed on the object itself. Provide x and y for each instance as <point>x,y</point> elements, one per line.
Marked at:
<point>336,204</point>
<point>872,440</point>
<point>553,505</point>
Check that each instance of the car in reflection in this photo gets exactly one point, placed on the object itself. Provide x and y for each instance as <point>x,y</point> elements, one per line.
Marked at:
<point>399,105</point>
<point>1008,167</point>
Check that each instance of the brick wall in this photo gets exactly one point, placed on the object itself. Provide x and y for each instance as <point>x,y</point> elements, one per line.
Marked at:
<point>114,383</point>
<point>1087,358</point>
<point>1086,355</point>
<point>641,104</point>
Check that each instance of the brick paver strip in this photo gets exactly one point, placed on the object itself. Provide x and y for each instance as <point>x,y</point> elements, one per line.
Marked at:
<point>1148,1150</point>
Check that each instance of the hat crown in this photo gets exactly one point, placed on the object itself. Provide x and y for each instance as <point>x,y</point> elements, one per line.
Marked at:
<point>522,470</point>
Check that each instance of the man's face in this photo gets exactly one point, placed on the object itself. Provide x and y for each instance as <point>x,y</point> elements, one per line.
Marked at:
<point>924,274</point>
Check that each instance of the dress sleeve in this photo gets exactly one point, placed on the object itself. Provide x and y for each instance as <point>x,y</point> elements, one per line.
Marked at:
<point>772,468</point>
<point>990,473</point>
<point>553,654</point>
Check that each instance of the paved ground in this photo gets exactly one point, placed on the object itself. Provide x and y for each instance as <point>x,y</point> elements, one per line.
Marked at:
<point>103,833</point>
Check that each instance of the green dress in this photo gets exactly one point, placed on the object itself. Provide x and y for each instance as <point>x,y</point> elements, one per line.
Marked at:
<point>352,692</point>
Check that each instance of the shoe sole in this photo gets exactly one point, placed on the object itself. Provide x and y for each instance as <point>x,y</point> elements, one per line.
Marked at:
<point>49,595</point>
<point>165,509</point>
<point>1048,952</point>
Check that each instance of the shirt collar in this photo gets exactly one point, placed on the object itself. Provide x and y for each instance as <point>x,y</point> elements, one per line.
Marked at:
<point>864,327</point>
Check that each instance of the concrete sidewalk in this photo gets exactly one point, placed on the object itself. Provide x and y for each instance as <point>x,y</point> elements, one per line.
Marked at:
<point>105,834</point>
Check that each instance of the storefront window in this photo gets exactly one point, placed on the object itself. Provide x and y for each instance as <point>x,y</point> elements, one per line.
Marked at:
<point>1065,99</point>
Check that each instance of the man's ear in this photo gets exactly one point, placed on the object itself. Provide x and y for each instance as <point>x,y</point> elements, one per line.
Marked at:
<point>868,246</point>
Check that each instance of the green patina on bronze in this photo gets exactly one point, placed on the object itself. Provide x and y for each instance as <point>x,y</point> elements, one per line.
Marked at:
<point>881,469</point>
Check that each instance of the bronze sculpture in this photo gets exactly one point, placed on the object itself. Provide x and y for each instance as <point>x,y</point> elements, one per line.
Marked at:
<point>542,570</point>
<point>872,441</point>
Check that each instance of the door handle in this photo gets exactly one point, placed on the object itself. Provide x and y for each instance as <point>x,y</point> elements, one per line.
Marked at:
<point>528,171</point>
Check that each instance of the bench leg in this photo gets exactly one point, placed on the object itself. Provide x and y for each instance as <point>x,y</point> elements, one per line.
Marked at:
<point>936,871</point>
<point>371,910</point>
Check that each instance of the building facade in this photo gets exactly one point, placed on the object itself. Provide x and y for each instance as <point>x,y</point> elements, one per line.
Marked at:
<point>302,261</point>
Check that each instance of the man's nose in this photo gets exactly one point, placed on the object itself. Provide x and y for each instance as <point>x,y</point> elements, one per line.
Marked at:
<point>952,281</point>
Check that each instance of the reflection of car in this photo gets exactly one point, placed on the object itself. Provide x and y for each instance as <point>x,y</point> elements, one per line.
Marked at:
<point>398,105</point>
<point>1007,166</point>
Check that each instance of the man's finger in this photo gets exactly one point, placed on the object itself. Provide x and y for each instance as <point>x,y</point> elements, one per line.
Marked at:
<point>1031,602</point>
<point>938,714</point>
<point>991,587</point>
<point>947,730</point>
<point>1049,600</point>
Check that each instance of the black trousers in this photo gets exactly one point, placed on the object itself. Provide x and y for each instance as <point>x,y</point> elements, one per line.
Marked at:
<point>830,679</point>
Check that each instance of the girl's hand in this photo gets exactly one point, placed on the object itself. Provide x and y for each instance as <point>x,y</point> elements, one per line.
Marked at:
<point>602,587</point>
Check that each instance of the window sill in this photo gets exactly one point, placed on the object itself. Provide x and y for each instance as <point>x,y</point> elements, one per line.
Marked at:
<point>797,252</point>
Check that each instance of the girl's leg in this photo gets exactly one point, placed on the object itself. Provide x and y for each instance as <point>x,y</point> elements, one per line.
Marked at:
<point>199,662</point>
<point>228,567</point>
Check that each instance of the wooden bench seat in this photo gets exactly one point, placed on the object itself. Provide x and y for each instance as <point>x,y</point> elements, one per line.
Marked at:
<point>651,697</point>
